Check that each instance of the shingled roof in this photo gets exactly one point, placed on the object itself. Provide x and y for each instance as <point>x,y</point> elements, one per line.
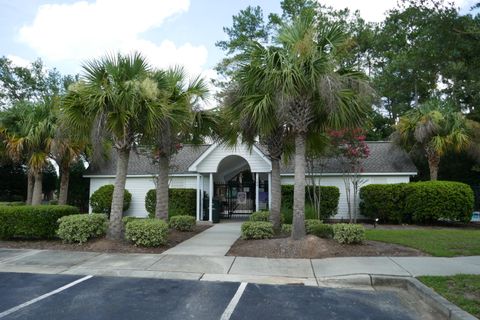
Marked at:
<point>384,157</point>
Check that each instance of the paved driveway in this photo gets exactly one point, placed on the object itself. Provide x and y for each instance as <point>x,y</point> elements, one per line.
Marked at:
<point>35,296</point>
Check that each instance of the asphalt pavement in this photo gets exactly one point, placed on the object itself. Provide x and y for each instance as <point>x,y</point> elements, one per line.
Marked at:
<point>42,297</point>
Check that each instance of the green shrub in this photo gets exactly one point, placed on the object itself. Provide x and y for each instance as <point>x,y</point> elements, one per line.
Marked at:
<point>310,223</point>
<point>257,230</point>
<point>384,201</point>
<point>53,202</point>
<point>32,222</point>
<point>348,233</point>
<point>287,228</point>
<point>101,199</point>
<point>439,200</point>
<point>12,204</point>
<point>287,214</point>
<point>322,230</point>
<point>260,216</point>
<point>127,219</point>
<point>181,202</point>
<point>328,204</point>
<point>147,232</point>
<point>81,227</point>
<point>182,223</point>
<point>419,202</point>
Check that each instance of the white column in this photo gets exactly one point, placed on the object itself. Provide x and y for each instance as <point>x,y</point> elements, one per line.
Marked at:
<point>201,197</point>
<point>210,199</point>
<point>199,204</point>
<point>257,206</point>
<point>269,190</point>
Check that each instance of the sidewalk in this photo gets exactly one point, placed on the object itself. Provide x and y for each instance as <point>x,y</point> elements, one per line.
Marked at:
<point>226,268</point>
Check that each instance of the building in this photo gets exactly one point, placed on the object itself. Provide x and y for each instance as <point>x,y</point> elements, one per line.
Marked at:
<point>239,177</point>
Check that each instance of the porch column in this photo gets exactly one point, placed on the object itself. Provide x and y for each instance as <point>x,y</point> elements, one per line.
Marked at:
<point>201,197</point>
<point>210,199</point>
<point>199,204</point>
<point>257,206</point>
<point>269,190</point>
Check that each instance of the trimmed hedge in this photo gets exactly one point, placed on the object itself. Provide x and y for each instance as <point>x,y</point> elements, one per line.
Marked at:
<point>260,216</point>
<point>328,205</point>
<point>81,227</point>
<point>384,201</point>
<point>257,230</point>
<point>181,202</point>
<point>287,228</point>
<point>310,224</point>
<point>127,219</point>
<point>147,232</point>
<point>32,222</point>
<point>348,233</point>
<point>12,204</point>
<point>101,199</point>
<point>322,231</point>
<point>182,223</point>
<point>419,202</point>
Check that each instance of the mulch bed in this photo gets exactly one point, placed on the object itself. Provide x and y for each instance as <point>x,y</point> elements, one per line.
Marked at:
<point>104,245</point>
<point>312,247</point>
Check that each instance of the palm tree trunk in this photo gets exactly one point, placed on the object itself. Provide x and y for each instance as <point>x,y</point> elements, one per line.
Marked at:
<point>298,228</point>
<point>276,196</point>
<point>64,178</point>
<point>433,164</point>
<point>115,226</point>
<point>161,207</point>
<point>37,189</point>
<point>30,184</point>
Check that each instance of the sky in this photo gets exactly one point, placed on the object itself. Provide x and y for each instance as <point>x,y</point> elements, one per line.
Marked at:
<point>66,33</point>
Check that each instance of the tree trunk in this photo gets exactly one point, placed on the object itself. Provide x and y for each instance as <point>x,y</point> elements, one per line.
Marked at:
<point>30,184</point>
<point>276,196</point>
<point>298,228</point>
<point>37,189</point>
<point>64,178</point>
<point>161,206</point>
<point>115,226</point>
<point>433,164</point>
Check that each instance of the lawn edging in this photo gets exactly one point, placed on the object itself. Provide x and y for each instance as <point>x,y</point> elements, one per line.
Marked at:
<point>425,294</point>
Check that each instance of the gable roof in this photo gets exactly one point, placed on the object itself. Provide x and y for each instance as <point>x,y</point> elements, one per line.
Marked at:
<point>384,157</point>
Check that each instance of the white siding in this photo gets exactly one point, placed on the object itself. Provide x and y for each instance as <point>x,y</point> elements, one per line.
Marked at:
<point>138,187</point>
<point>337,181</point>
<point>256,162</point>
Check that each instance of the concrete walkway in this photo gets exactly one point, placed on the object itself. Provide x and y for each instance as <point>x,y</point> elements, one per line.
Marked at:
<point>215,241</point>
<point>226,268</point>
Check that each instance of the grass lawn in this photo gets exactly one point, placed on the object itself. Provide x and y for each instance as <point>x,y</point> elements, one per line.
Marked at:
<point>437,242</point>
<point>463,290</point>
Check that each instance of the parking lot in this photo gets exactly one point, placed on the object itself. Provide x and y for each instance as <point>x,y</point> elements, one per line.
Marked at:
<point>35,296</point>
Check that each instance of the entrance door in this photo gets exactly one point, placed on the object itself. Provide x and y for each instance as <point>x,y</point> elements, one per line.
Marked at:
<point>236,198</point>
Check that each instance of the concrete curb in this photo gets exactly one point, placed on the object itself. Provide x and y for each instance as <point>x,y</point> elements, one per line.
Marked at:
<point>424,293</point>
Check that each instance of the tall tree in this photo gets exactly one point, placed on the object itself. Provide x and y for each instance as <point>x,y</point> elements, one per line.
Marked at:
<point>434,129</point>
<point>183,120</point>
<point>117,100</point>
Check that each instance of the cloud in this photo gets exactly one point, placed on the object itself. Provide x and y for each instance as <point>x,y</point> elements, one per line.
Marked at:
<point>19,61</point>
<point>72,33</point>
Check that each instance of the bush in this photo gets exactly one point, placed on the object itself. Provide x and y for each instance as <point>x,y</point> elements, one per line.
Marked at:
<point>181,202</point>
<point>147,232</point>
<point>127,219</point>
<point>101,200</point>
<point>328,205</point>
<point>260,216</point>
<point>12,204</point>
<point>384,201</point>
<point>322,230</point>
<point>182,223</point>
<point>439,200</point>
<point>287,228</point>
<point>419,202</point>
<point>81,227</point>
<point>32,222</point>
<point>310,223</point>
<point>257,230</point>
<point>348,233</point>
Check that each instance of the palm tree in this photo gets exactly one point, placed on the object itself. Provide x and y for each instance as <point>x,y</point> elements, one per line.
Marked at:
<point>308,90</point>
<point>117,101</point>
<point>435,128</point>
<point>28,130</point>
<point>183,121</point>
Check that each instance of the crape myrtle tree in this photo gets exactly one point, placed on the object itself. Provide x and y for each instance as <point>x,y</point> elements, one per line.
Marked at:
<point>116,101</point>
<point>183,121</point>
